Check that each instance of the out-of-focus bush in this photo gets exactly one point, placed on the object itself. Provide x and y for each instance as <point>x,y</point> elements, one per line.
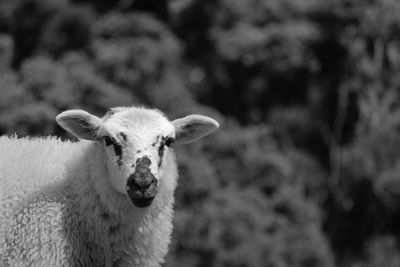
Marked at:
<point>139,53</point>
<point>382,251</point>
<point>66,31</point>
<point>236,227</point>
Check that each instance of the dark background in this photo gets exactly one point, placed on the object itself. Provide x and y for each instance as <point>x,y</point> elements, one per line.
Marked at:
<point>304,171</point>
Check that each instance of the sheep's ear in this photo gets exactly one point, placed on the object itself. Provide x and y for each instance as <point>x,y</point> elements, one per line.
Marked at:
<point>80,123</point>
<point>193,127</point>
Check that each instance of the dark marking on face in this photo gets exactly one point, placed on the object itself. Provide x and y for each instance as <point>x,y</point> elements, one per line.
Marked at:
<point>139,151</point>
<point>117,147</point>
<point>157,140</point>
<point>169,141</point>
<point>123,135</point>
<point>107,140</point>
<point>165,141</point>
<point>161,149</point>
<point>118,152</point>
<point>143,164</point>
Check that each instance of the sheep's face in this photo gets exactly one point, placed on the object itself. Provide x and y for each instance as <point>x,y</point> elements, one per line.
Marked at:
<point>136,142</point>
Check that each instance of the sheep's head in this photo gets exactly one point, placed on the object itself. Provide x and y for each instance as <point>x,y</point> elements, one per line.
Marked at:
<point>136,141</point>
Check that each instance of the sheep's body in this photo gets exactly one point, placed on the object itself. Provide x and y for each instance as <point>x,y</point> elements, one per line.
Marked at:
<point>57,208</point>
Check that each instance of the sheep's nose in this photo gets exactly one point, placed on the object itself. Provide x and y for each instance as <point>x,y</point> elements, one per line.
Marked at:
<point>142,190</point>
<point>142,186</point>
<point>141,183</point>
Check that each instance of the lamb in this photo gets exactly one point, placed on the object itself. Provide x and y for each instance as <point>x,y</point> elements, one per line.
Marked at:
<point>106,200</point>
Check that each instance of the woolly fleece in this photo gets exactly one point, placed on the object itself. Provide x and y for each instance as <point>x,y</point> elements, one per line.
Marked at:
<point>57,208</point>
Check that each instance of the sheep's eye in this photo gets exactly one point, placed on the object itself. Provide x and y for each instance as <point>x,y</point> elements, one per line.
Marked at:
<point>108,140</point>
<point>169,141</point>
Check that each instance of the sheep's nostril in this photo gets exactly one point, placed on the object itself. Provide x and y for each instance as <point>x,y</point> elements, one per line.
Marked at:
<point>152,182</point>
<point>141,184</point>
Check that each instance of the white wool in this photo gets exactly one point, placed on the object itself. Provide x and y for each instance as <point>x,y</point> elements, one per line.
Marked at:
<point>57,208</point>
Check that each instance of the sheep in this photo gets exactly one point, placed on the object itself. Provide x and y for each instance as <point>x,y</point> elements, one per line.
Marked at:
<point>106,200</point>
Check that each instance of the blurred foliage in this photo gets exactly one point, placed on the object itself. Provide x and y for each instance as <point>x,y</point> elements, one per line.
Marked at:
<point>304,171</point>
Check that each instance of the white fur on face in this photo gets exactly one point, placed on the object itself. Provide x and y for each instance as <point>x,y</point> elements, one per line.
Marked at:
<point>135,133</point>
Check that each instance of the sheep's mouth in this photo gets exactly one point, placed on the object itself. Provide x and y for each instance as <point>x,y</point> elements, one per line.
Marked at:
<point>142,202</point>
